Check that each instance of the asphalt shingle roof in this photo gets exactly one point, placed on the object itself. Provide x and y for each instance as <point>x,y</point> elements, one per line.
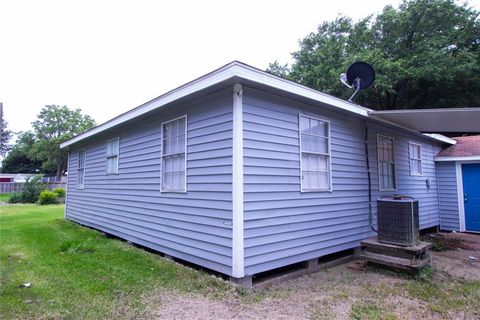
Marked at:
<point>465,146</point>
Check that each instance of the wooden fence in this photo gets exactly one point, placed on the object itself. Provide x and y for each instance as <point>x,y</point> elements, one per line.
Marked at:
<point>15,187</point>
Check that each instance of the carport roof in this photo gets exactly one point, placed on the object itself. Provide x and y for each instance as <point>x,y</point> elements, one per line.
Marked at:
<point>434,120</point>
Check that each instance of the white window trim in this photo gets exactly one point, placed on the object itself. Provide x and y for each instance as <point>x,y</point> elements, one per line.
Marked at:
<point>330,186</point>
<point>107,156</point>
<point>394,164</point>
<point>184,190</point>
<point>410,158</point>
<point>81,187</point>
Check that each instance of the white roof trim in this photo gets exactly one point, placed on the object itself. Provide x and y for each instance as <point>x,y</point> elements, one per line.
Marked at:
<point>410,111</point>
<point>441,137</point>
<point>463,158</point>
<point>234,69</point>
<point>229,71</point>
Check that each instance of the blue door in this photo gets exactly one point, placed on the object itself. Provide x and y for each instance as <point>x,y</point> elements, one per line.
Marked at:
<point>471,195</point>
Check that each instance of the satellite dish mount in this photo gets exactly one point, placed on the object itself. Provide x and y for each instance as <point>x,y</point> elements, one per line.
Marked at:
<point>360,75</point>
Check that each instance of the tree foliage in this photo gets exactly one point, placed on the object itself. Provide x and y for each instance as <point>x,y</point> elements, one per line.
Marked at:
<point>54,125</point>
<point>5,137</point>
<point>425,54</point>
<point>17,160</point>
<point>39,150</point>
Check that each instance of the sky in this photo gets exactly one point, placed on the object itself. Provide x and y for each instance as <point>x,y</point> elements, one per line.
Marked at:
<point>107,57</point>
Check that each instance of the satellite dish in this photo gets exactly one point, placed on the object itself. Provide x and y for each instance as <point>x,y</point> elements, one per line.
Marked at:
<point>360,75</point>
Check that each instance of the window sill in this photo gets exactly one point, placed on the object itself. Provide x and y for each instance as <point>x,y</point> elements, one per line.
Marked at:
<point>316,190</point>
<point>173,191</point>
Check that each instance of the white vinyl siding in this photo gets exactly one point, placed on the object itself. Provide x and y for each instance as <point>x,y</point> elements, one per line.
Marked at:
<point>174,144</point>
<point>386,163</point>
<point>415,157</point>
<point>81,169</point>
<point>314,135</point>
<point>112,156</point>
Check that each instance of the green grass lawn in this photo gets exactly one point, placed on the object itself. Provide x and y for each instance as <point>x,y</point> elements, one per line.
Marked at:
<point>78,273</point>
<point>4,197</point>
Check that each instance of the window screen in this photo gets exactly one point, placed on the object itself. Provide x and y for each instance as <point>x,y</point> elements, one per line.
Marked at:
<point>81,169</point>
<point>415,154</point>
<point>386,163</point>
<point>174,155</point>
<point>112,156</point>
<point>315,154</point>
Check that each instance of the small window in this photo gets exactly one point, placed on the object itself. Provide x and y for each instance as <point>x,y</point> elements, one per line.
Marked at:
<point>314,154</point>
<point>112,156</point>
<point>81,169</point>
<point>386,163</point>
<point>174,142</point>
<point>415,155</point>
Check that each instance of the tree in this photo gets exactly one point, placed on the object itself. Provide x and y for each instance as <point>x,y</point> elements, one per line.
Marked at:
<point>5,137</point>
<point>426,54</point>
<point>56,124</point>
<point>18,160</point>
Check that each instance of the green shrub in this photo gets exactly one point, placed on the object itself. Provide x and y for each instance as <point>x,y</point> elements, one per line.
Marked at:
<point>60,192</point>
<point>15,198</point>
<point>47,197</point>
<point>32,188</point>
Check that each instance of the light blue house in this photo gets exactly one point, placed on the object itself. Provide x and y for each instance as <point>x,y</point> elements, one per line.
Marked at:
<point>241,172</point>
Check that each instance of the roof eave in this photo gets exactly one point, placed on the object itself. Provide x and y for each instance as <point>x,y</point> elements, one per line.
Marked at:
<point>237,71</point>
<point>229,71</point>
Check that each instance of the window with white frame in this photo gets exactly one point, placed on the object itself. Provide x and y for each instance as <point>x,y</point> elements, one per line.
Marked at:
<point>174,145</point>
<point>81,169</point>
<point>415,155</point>
<point>112,155</point>
<point>314,154</point>
<point>386,163</point>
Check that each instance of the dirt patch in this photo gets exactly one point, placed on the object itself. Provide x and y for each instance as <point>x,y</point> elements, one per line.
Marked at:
<point>16,256</point>
<point>458,264</point>
<point>323,295</point>
<point>453,241</point>
<point>196,307</point>
<point>457,255</point>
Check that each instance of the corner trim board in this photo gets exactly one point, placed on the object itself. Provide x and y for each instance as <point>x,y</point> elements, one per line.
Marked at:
<point>238,270</point>
<point>66,187</point>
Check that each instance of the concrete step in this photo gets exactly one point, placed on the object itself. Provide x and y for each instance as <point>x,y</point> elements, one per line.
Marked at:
<point>409,265</point>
